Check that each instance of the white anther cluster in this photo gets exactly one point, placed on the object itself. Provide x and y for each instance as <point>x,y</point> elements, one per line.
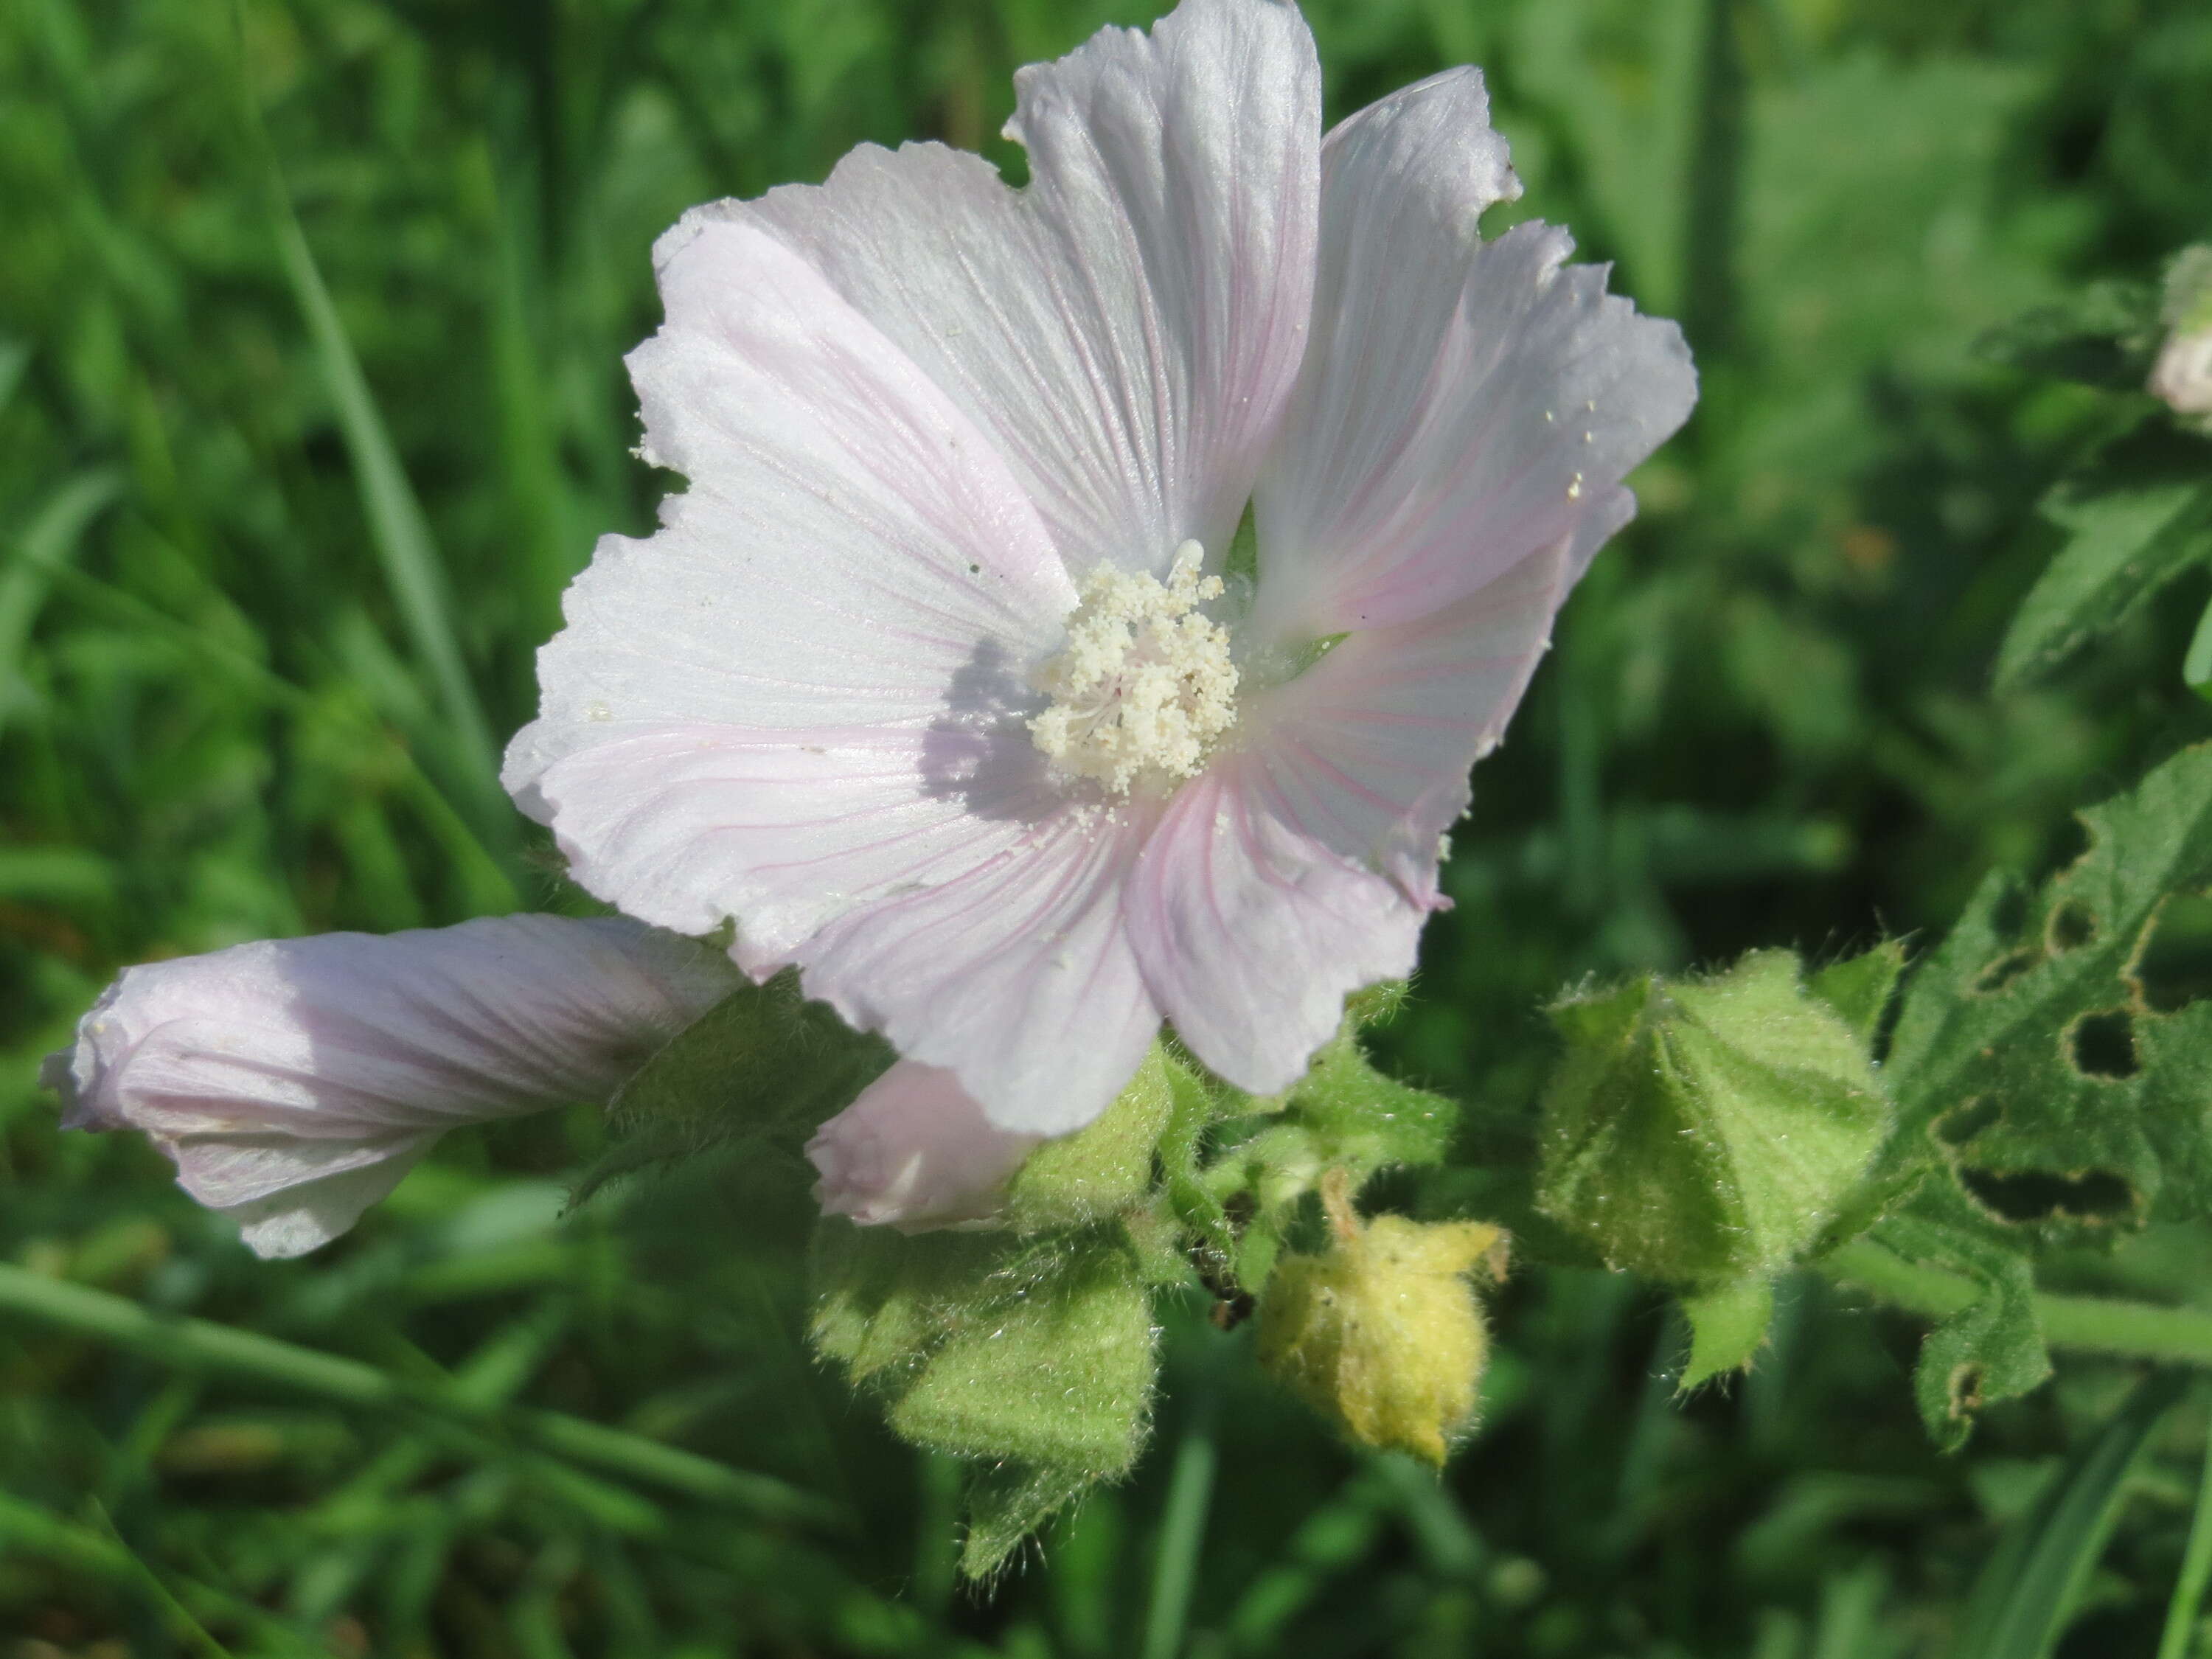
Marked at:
<point>1145,683</point>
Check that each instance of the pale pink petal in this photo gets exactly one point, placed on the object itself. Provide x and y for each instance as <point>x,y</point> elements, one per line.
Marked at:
<point>2181,377</point>
<point>293,1081</point>
<point>1127,327</point>
<point>691,827</point>
<point>1464,404</point>
<point>916,1152</point>
<point>1017,976</point>
<point>1302,865</point>
<point>852,552</point>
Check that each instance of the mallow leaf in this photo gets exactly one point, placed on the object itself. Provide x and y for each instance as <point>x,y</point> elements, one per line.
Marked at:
<point>2104,336</point>
<point>762,1061</point>
<point>2133,518</point>
<point>1991,1349</point>
<point>2050,1064</point>
<point>1701,1131</point>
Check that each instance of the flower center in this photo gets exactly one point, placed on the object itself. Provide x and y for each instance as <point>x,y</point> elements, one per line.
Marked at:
<point>1145,683</point>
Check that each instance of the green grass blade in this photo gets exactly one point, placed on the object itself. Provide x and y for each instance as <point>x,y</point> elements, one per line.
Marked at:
<point>2181,1612</point>
<point>399,530</point>
<point>2032,1582</point>
<point>397,526</point>
<point>1183,1534</point>
<point>48,539</point>
<point>202,1346</point>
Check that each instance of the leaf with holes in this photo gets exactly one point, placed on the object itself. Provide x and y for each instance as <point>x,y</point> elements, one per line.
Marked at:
<point>1991,1349</point>
<point>2037,1072</point>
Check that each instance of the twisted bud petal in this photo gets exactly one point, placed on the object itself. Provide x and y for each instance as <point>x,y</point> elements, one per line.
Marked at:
<point>2181,377</point>
<point>293,1082</point>
<point>916,1152</point>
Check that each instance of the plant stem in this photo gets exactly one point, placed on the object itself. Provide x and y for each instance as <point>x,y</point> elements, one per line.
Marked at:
<point>199,1344</point>
<point>2134,1330</point>
<point>2196,1570</point>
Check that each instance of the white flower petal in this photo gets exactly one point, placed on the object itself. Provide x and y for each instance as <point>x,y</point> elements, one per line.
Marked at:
<point>1017,976</point>
<point>689,827</point>
<point>915,1152</point>
<point>2181,377</point>
<point>851,553</point>
<point>1303,866</point>
<point>292,1081</point>
<point>1129,326</point>
<point>1463,404</point>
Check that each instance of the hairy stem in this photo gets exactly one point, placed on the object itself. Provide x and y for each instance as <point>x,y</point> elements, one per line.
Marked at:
<point>2134,1330</point>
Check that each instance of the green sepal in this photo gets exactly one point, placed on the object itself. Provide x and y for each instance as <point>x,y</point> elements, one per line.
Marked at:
<point>1182,1148</point>
<point>1344,1114</point>
<point>1859,987</point>
<point>1006,1503</point>
<point>765,1062</point>
<point>883,1301</point>
<point>1701,1131</point>
<point>1727,1325</point>
<point>1059,1377</point>
<point>1032,1358</point>
<point>1102,1169</point>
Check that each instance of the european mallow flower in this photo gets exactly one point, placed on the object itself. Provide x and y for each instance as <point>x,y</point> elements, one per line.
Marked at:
<point>948,681</point>
<point>1087,605</point>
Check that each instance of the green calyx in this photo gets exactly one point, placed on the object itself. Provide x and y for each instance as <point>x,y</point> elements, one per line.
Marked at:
<point>1701,1131</point>
<point>1028,1350</point>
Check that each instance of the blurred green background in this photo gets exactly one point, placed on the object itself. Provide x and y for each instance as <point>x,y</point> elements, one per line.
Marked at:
<point>311,400</point>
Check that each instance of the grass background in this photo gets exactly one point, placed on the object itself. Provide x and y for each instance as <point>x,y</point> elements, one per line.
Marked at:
<point>311,320</point>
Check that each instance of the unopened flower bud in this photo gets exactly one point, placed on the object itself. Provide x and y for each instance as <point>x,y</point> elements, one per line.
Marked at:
<point>1701,1131</point>
<point>2181,377</point>
<point>916,1152</point>
<point>1382,1334</point>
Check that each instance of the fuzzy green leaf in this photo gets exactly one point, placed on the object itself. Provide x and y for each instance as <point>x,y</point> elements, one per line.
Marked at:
<point>2046,1065</point>
<point>1701,1130</point>
<point>762,1061</point>
<point>2134,517</point>
<point>1991,1349</point>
